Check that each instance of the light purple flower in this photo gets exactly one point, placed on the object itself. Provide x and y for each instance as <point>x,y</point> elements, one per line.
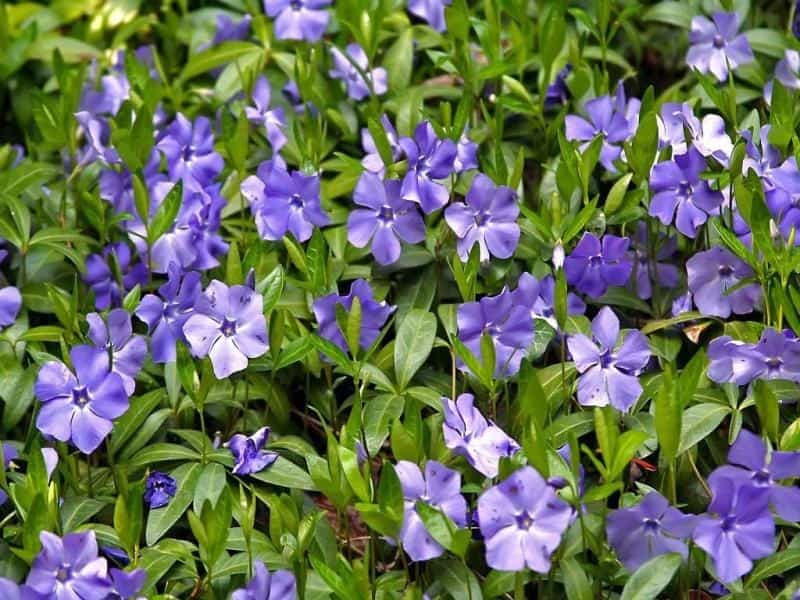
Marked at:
<point>298,19</point>
<point>10,303</point>
<point>609,375</point>
<point>468,433</point>
<point>650,272</point>
<point>385,219</point>
<point>487,217</point>
<point>522,520</point>
<point>228,326</point>
<point>775,356</point>
<point>279,585</point>
<point>780,178</point>
<point>751,463</point>
<point>373,315</point>
<point>159,489</point>
<point>373,162</point>
<point>539,297</point>
<point>273,119</point>
<point>429,159</point>
<point>743,531</point>
<point>249,454</point>
<point>107,290</point>
<point>509,326</point>
<point>284,202</point>
<point>358,80</point>
<point>711,274</point>
<point>649,529</point>
<point>787,72</point>
<point>229,30</point>
<point>10,590</point>
<point>466,154</point>
<point>127,351</point>
<point>166,315</point>
<point>188,147</point>
<point>98,139</point>
<point>81,407</point>
<point>127,584</point>
<point>440,487</point>
<point>715,45</point>
<point>69,568</point>
<point>595,265</point>
<point>430,11</point>
<point>682,304</point>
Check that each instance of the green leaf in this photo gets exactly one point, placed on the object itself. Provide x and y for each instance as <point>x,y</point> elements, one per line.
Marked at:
<point>768,41</point>
<point>652,577</point>
<point>668,418</point>
<point>778,564</point>
<point>576,584</point>
<point>670,13</point>
<point>76,510</point>
<point>161,519</point>
<point>209,486</point>
<point>352,471</point>
<point>413,345</point>
<point>698,422</point>
<point>767,407</point>
<point>166,213</point>
<point>442,529</point>
<point>399,59</point>
<point>284,473</point>
<point>162,452</point>
<point>272,288</point>
<point>215,57</point>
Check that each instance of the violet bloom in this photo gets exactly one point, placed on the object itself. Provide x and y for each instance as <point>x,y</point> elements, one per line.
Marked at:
<point>682,304</point>
<point>188,147</point>
<point>159,489</point>
<point>127,584</point>
<point>228,326</point>
<point>780,178</point>
<point>166,314</point>
<point>787,72</point>
<point>373,162</point>
<point>385,219</point>
<point>284,203</point>
<point>607,119</point>
<point>429,159</point>
<point>647,530</point>
<point>539,298</point>
<point>229,30</point>
<point>430,11</point>
<point>361,81</point>
<point>796,20</point>
<point>69,568</point>
<point>509,326</point>
<point>298,19</point>
<point>466,155</point>
<point>775,356</point>
<point>10,590</point>
<point>680,195</point>
<point>10,303</point>
<point>677,122</point>
<point>711,274</point>
<point>98,139</point>
<point>557,93</point>
<point>373,315</point>
<point>99,275</point>
<point>487,217</point>
<point>468,433</point>
<point>752,464</point>
<point>272,119</point>
<point>715,45</point>
<point>522,520</point>
<point>440,487</point>
<point>653,271</point>
<point>743,531</point>
<point>595,265</point>
<point>127,351</point>
<point>609,375</point>
<point>116,186</point>
<point>264,585</point>
<point>80,407</point>
<point>248,452</point>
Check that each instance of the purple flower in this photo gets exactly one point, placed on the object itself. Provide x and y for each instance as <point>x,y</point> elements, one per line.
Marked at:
<point>466,155</point>
<point>114,90</point>
<point>609,375</point>
<point>430,11</point>
<point>682,304</point>
<point>116,187</point>
<point>429,159</point>
<point>775,356</point>
<point>69,568</point>
<point>273,120</point>
<point>228,326</point>
<point>264,585</point>
<point>10,590</point>
<point>539,297</point>
<point>80,407</point>
<point>229,30</point>
<point>373,162</point>
<point>127,584</point>
<point>284,202</point>
<point>653,271</point>
<point>787,72</point>
<point>509,326</point>
<point>612,118</point>
<point>649,529</point>
<point>166,315</point>
<point>557,93</point>
<point>298,19</point>
<point>189,150</point>
<point>99,275</point>
<point>373,315</point>
<point>127,351</point>
<point>385,219</point>
<point>488,217</point>
<point>98,139</point>
<point>715,47</point>
<point>751,464</point>
<point>249,454</point>
<point>522,520</point>
<point>780,178</point>
<point>468,433</point>
<point>10,303</point>
<point>680,194</point>
<point>743,530</point>
<point>440,488</point>
<point>796,20</point>
<point>159,489</point>
<point>677,122</point>
<point>711,274</point>
<point>358,80</point>
<point>596,264</point>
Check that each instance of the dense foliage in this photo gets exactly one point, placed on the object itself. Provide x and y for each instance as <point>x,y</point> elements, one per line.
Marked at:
<point>384,299</point>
